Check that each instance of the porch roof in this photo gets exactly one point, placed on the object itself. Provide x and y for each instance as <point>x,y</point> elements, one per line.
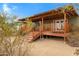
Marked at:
<point>54,14</point>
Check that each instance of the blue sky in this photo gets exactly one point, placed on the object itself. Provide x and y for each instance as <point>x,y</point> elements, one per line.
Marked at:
<point>28,9</point>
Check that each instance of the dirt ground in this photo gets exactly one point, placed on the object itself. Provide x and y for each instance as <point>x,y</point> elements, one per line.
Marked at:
<point>51,47</point>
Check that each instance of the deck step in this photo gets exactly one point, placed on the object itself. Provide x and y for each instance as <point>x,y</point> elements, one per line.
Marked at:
<point>32,36</point>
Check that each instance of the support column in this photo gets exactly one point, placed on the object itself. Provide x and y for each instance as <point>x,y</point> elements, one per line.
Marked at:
<point>51,25</point>
<point>42,28</point>
<point>42,24</point>
<point>65,26</point>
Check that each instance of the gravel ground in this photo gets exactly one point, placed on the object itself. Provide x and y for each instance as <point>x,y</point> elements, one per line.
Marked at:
<point>51,47</point>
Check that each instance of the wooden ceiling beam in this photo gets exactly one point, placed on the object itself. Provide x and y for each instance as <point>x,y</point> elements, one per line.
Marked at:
<point>45,16</point>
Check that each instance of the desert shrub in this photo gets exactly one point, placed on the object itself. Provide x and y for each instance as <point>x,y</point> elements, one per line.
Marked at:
<point>10,43</point>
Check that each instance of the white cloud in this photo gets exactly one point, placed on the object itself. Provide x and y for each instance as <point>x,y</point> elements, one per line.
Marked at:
<point>6,9</point>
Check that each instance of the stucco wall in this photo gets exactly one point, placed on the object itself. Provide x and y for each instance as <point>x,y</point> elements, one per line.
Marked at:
<point>74,23</point>
<point>73,37</point>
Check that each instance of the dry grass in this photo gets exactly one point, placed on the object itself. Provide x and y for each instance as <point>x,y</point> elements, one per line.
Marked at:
<point>14,46</point>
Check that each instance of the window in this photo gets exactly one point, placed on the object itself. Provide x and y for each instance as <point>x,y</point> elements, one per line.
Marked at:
<point>59,25</point>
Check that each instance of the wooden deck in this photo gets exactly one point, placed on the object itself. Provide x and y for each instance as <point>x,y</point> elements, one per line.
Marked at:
<point>34,35</point>
<point>53,34</point>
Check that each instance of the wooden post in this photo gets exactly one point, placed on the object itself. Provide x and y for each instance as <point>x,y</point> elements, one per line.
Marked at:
<point>51,25</point>
<point>42,24</point>
<point>65,24</point>
<point>42,27</point>
<point>68,26</point>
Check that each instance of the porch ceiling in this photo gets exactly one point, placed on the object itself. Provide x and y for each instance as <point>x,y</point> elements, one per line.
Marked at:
<point>50,16</point>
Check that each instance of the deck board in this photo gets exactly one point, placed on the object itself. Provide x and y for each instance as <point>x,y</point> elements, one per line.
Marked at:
<point>54,34</point>
<point>33,35</point>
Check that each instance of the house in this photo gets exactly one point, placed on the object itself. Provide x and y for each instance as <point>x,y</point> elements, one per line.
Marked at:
<point>53,23</point>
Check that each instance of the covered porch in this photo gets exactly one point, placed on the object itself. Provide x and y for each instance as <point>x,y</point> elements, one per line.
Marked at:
<point>53,23</point>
